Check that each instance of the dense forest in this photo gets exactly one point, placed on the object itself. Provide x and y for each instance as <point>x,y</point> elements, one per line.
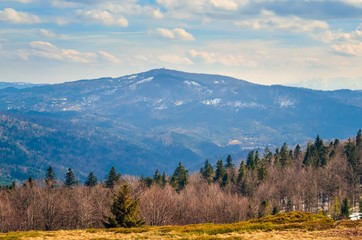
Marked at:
<point>324,177</point>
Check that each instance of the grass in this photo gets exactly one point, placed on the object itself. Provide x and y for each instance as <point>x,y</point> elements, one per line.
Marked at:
<point>295,225</point>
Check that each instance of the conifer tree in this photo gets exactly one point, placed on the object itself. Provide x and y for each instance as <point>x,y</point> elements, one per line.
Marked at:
<point>112,178</point>
<point>50,176</point>
<point>229,162</point>
<point>285,159</point>
<point>359,139</point>
<point>250,160</point>
<point>179,178</point>
<point>268,155</point>
<point>91,180</point>
<point>207,172</point>
<point>70,179</point>
<point>345,209</point>
<point>124,209</point>
<point>297,152</point>
<point>157,177</point>
<point>163,179</point>
<point>220,171</point>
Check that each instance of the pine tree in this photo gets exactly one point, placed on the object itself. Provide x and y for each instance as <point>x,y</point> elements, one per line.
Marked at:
<point>70,179</point>
<point>163,179</point>
<point>285,159</point>
<point>250,163</point>
<point>359,139</point>
<point>91,180</point>
<point>241,181</point>
<point>179,178</point>
<point>112,178</point>
<point>220,171</point>
<point>207,172</point>
<point>345,209</point>
<point>335,210</point>
<point>124,209</point>
<point>50,176</point>
<point>297,152</point>
<point>229,162</point>
<point>268,155</point>
<point>157,177</point>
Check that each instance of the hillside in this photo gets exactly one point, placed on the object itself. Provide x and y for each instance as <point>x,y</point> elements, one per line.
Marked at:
<point>155,119</point>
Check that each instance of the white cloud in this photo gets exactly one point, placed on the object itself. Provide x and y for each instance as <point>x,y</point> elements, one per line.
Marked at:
<point>102,17</point>
<point>353,49</point>
<point>13,16</point>
<point>131,7</point>
<point>24,1</point>
<point>230,5</point>
<point>50,51</point>
<point>109,57</point>
<point>175,59</point>
<point>176,33</point>
<point>270,21</point>
<point>47,33</point>
<point>65,4</point>
<point>231,60</point>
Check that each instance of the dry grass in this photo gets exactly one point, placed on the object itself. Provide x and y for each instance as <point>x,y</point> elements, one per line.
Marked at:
<point>282,226</point>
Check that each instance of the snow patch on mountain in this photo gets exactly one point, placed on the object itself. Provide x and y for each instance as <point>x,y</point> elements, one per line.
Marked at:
<point>286,102</point>
<point>135,85</point>
<point>214,101</point>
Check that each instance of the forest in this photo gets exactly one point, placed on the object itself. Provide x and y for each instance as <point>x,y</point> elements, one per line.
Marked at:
<point>323,177</point>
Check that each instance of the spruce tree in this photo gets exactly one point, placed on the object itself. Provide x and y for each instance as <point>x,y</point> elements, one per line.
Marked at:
<point>157,177</point>
<point>91,180</point>
<point>345,209</point>
<point>179,178</point>
<point>250,160</point>
<point>285,159</point>
<point>297,152</point>
<point>50,176</point>
<point>359,139</point>
<point>207,172</point>
<point>220,171</point>
<point>163,179</point>
<point>268,155</point>
<point>229,162</point>
<point>124,209</point>
<point>112,178</point>
<point>70,179</point>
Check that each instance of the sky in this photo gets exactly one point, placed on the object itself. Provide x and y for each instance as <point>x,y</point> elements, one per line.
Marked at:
<point>315,44</point>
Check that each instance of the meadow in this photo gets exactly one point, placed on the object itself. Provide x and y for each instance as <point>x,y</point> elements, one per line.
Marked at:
<point>294,225</point>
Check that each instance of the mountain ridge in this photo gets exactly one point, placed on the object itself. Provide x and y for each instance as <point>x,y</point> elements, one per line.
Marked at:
<point>154,119</point>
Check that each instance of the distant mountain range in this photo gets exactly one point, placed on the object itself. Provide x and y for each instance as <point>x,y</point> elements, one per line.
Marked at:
<point>155,119</point>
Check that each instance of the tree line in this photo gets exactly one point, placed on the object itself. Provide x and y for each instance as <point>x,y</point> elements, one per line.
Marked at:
<point>325,177</point>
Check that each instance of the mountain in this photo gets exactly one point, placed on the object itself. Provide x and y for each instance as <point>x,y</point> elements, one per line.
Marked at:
<point>155,119</point>
<point>18,85</point>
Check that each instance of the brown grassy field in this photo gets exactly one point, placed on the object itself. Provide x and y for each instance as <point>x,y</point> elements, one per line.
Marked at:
<point>294,225</point>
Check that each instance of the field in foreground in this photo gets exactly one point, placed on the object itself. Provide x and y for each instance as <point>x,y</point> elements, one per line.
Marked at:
<point>293,225</point>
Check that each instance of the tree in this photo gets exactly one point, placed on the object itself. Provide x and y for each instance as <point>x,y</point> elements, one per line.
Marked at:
<point>157,178</point>
<point>124,209</point>
<point>179,178</point>
<point>345,209</point>
<point>207,172</point>
<point>70,179</point>
<point>229,162</point>
<point>91,180</point>
<point>297,152</point>
<point>220,171</point>
<point>285,159</point>
<point>360,208</point>
<point>50,176</point>
<point>359,139</point>
<point>250,160</point>
<point>112,178</point>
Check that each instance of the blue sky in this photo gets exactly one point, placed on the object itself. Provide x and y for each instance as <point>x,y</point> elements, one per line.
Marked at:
<point>308,43</point>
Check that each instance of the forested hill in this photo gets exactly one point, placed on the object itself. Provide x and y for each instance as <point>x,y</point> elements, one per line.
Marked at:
<point>158,118</point>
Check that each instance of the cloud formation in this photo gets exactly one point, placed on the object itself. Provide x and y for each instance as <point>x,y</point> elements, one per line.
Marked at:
<point>176,34</point>
<point>270,21</point>
<point>12,16</point>
<point>102,17</point>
